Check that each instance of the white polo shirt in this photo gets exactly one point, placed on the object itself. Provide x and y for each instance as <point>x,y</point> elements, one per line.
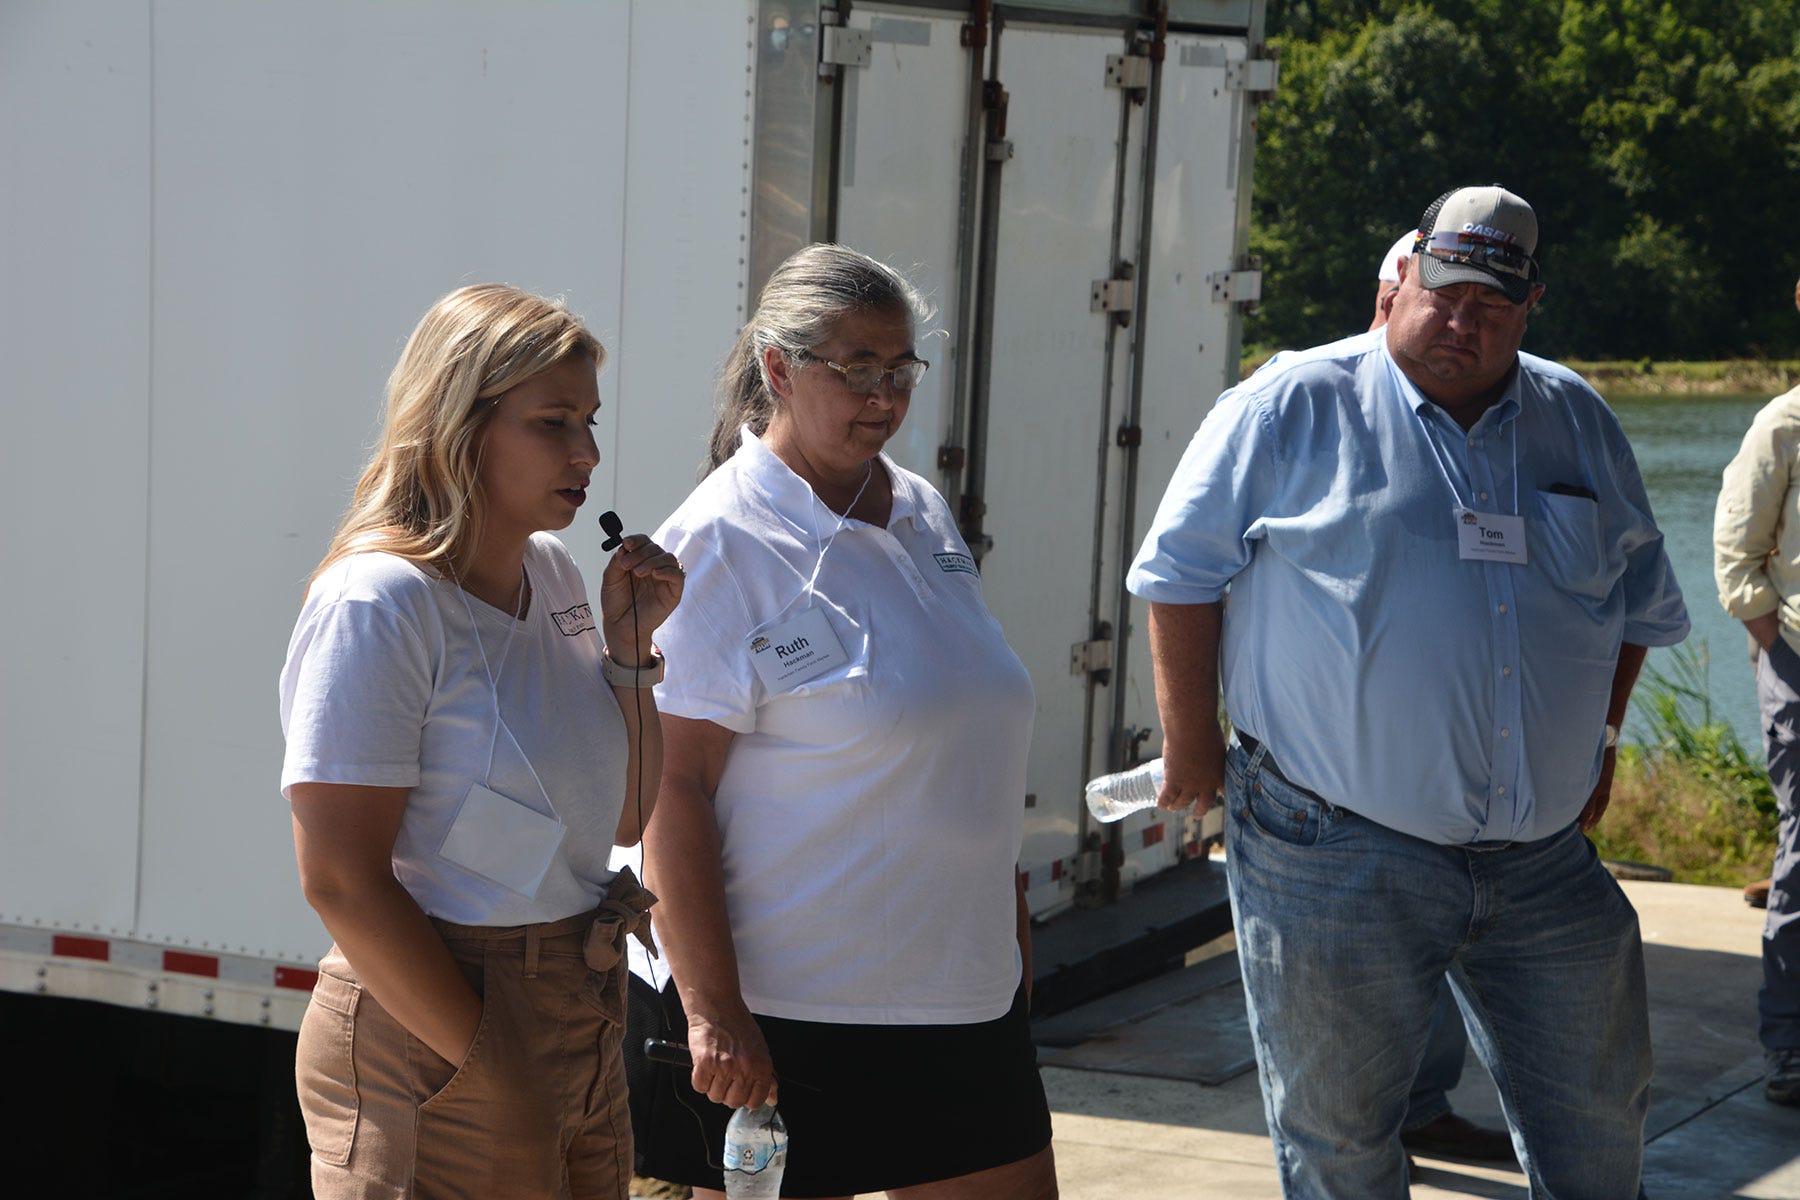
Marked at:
<point>871,817</point>
<point>384,687</point>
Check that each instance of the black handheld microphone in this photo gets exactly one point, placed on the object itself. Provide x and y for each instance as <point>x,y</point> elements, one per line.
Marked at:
<point>613,528</point>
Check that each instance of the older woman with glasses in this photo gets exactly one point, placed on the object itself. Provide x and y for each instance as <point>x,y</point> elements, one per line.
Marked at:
<point>843,782</point>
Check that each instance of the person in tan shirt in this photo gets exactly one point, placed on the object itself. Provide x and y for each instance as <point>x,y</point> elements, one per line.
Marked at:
<point>1756,561</point>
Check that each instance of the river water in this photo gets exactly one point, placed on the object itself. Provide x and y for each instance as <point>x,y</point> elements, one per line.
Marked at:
<point>1682,444</point>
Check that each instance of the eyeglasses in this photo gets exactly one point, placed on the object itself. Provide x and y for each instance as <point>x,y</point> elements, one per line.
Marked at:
<point>864,378</point>
<point>1466,246</point>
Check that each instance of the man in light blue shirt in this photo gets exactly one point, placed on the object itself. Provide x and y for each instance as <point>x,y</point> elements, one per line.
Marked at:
<point>1443,575</point>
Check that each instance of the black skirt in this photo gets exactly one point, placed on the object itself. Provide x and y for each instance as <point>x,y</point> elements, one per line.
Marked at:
<point>867,1107</point>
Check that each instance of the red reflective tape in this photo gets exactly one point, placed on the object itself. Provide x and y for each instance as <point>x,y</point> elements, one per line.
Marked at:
<point>1154,834</point>
<point>65,946</point>
<point>298,978</point>
<point>191,964</point>
<point>1055,870</point>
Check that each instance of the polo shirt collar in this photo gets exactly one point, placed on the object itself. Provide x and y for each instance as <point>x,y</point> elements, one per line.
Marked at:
<point>792,497</point>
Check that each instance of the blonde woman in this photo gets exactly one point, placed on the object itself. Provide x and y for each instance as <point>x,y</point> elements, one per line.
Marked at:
<point>466,740</point>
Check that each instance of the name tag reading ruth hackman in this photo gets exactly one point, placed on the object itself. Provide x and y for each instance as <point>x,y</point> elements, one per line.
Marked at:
<point>788,653</point>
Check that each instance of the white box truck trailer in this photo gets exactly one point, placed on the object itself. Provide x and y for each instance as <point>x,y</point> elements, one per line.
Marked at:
<point>218,220</point>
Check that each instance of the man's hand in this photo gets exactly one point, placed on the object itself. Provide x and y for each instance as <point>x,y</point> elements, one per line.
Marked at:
<point>1764,629</point>
<point>1194,776</point>
<point>1184,655</point>
<point>1602,794</point>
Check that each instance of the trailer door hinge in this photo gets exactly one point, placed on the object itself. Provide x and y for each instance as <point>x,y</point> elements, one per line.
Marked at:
<point>951,458</point>
<point>1255,76</point>
<point>1129,72</point>
<point>1094,658</point>
<point>1241,285</point>
<point>1113,296</point>
<point>843,47</point>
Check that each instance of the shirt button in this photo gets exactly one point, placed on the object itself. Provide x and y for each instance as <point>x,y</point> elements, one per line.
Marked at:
<point>1501,790</point>
<point>1503,610</point>
<point>1474,441</point>
<point>1484,495</point>
<point>1507,671</point>
<point>1506,733</point>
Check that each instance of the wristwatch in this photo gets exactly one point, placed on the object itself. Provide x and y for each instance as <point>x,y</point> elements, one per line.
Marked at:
<point>1612,736</point>
<point>633,677</point>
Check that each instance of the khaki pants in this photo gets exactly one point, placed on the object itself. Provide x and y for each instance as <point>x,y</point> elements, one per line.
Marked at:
<point>537,1109</point>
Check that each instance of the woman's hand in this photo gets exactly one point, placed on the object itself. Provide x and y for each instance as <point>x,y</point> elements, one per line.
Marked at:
<point>731,1060</point>
<point>642,567</point>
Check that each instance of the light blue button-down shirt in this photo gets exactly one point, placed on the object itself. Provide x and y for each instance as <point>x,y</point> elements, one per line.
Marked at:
<point>1455,700</point>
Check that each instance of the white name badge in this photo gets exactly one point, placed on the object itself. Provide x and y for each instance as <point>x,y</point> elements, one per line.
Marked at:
<point>502,840</point>
<point>788,654</point>
<point>1490,537</point>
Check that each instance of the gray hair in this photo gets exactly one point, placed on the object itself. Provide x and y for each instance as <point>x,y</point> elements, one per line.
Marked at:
<point>800,307</point>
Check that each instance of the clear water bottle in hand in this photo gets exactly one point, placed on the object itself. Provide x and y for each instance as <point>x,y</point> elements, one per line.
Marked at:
<point>1111,797</point>
<point>755,1154</point>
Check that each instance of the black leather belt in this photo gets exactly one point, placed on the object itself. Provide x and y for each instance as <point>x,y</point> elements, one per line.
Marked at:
<point>1268,764</point>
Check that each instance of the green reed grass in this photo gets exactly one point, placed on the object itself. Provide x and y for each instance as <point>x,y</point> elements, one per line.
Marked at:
<point>1689,796</point>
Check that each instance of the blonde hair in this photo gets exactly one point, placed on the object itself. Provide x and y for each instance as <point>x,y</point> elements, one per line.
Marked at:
<point>799,308</point>
<point>417,497</point>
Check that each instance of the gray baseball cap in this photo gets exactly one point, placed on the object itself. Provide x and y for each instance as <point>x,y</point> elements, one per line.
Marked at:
<point>1482,235</point>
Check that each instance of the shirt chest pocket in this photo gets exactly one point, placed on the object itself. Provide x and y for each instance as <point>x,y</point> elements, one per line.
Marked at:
<point>1569,547</point>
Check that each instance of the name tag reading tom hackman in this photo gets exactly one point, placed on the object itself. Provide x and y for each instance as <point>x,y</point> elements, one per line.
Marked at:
<point>788,653</point>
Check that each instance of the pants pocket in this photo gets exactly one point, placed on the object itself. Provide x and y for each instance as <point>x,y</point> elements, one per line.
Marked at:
<point>434,1066</point>
<point>325,1069</point>
<point>603,990</point>
<point>1279,811</point>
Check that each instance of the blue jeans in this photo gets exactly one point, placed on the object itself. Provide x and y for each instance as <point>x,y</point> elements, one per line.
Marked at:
<point>1345,928</point>
<point>1778,696</point>
<point>1446,1045</point>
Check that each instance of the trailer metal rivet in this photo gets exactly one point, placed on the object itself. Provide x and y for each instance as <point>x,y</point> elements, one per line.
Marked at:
<point>264,1019</point>
<point>265,1002</point>
<point>151,985</point>
<point>207,994</point>
<point>207,1011</point>
<point>150,1002</point>
<point>42,986</point>
<point>42,971</point>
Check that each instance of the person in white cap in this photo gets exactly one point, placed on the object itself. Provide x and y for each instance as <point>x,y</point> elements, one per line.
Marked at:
<point>1443,575</point>
<point>1387,279</point>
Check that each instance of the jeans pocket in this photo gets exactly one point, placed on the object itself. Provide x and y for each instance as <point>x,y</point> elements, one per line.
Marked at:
<point>1281,812</point>
<point>325,1069</point>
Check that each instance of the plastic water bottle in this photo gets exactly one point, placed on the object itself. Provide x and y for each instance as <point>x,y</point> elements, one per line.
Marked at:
<point>1112,797</point>
<point>755,1154</point>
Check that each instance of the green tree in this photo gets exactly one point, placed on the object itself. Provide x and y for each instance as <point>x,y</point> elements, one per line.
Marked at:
<point>1655,138</point>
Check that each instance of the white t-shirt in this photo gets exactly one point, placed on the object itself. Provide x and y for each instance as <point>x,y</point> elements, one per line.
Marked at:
<point>870,818</point>
<point>384,686</point>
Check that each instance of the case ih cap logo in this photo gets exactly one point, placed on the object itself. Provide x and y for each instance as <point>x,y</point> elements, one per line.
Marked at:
<point>574,621</point>
<point>1468,518</point>
<point>759,645</point>
<point>1490,233</point>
